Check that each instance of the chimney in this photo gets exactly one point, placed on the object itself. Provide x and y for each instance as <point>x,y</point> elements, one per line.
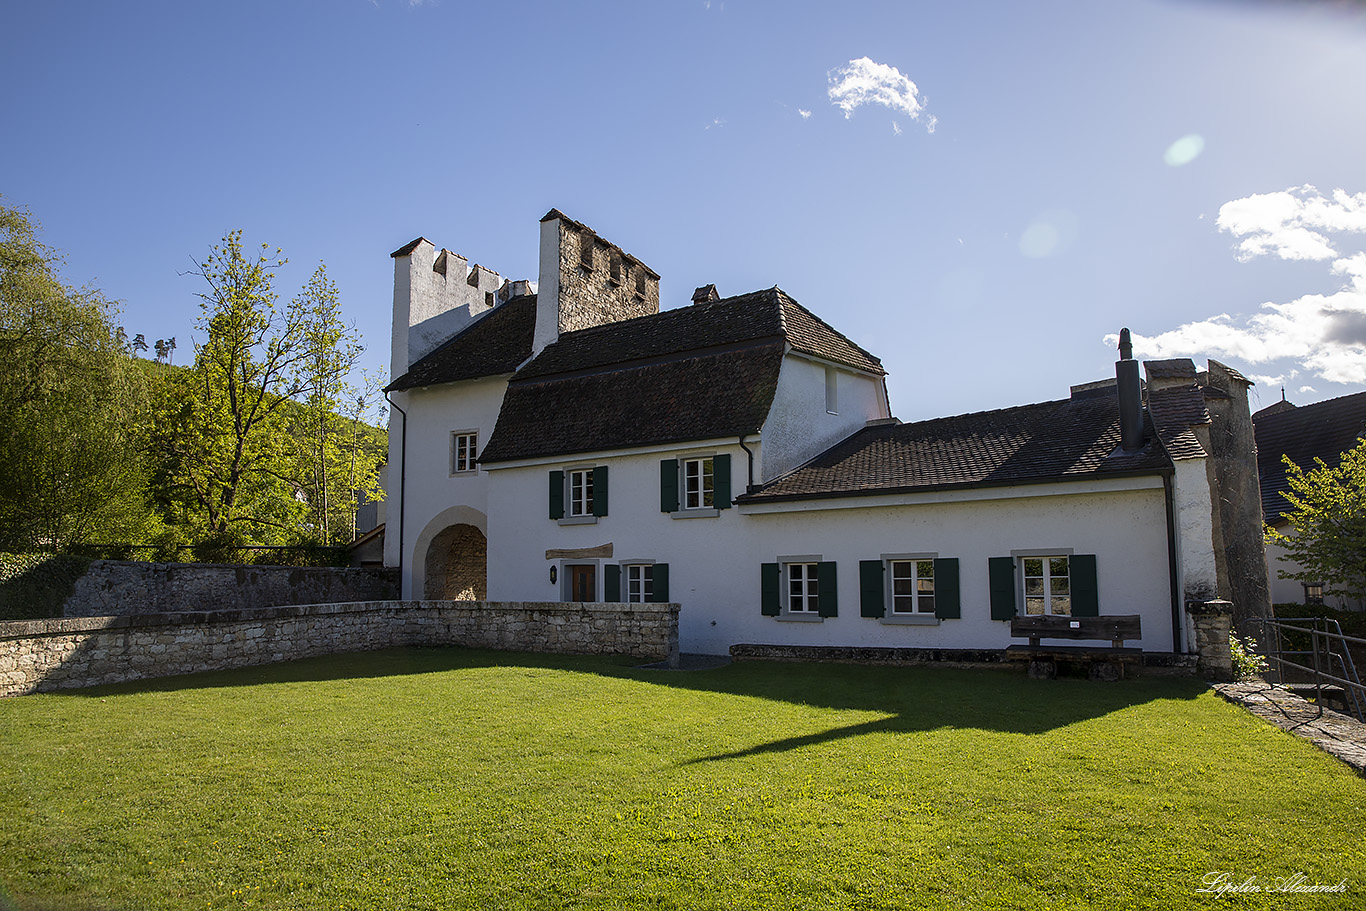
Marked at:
<point>1130,396</point>
<point>705,295</point>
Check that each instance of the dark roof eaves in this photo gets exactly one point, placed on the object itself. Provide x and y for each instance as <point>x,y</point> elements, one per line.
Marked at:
<point>759,497</point>
<point>652,445</point>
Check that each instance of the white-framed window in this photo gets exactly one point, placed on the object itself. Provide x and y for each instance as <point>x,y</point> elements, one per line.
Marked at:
<point>580,491</point>
<point>1047,584</point>
<point>803,595</point>
<point>698,484</point>
<point>464,449</point>
<point>912,586</point>
<point>639,582</point>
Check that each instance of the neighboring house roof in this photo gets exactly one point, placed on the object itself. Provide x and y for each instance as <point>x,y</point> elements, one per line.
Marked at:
<point>494,344</point>
<point>1324,430</point>
<point>701,372</point>
<point>1069,439</point>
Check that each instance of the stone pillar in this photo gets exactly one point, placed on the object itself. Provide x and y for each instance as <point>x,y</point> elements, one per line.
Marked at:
<point>1212,621</point>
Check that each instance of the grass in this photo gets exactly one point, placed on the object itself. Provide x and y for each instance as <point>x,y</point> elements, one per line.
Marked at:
<point>444,778</point>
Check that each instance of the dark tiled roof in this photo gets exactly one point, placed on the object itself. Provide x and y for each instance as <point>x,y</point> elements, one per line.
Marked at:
<point>760,315</point>
<point>711,395</point>
<point>409,247</point>
<point>493,344</point>
<point>1050,441</point>
<point>1179,367</point>
<point>1323,430</point>
<point>1273,408</point>
<point>1173,412</point>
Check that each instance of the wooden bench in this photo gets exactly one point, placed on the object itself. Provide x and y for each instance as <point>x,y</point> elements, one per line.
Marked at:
<point>1102,663</point>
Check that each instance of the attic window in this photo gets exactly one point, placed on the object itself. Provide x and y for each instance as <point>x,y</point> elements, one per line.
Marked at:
<point>586,250</point>
<point>615,274</point>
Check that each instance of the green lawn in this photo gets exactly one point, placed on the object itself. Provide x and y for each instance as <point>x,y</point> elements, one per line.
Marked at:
<point>446,778</point>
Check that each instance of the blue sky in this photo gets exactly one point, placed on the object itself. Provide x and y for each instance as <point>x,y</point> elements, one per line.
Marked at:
<point>998,192</point>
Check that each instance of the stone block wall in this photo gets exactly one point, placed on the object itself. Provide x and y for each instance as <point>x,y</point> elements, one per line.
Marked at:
<point>42,655</point>
<point>599,283</point>
<point>122,587</point>
<point>1212,622</point>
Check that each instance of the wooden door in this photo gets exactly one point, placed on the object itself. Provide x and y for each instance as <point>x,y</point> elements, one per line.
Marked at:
<point>583,585</point>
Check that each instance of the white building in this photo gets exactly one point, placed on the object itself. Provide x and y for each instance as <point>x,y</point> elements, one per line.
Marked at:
<point>1322,431</point>
<point>738,456</point>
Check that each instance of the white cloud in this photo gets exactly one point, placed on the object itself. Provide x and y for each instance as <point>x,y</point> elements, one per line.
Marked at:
<point>806,115</point>
<point>718,122</point>
<point>864,82</point>
<point>1308,389</point>
<point>1324,334</point>
<point>1293,223</point>
<point>896,130</point>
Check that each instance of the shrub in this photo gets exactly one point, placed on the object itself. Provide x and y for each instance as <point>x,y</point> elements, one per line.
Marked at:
<point>1246,661</point>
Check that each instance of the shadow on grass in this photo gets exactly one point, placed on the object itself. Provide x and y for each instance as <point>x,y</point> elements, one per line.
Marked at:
<point>912,698</point>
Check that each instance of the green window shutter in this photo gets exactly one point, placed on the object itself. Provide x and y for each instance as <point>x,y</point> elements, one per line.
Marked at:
<point>668,485</point>
<point>611,581</point>
<point>770,589</point>
<point>872,597</point>
<point>600,490</point>
<point>947,604</point>
<point>1085,594</point>
<point>827,592</point>
<point>1001,571</point>
<point>557,495</point>
<point>660,583</point>
<point>720,481</point>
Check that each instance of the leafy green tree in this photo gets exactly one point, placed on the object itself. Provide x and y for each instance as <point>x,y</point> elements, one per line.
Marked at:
<point>247,439</point>
<point>1328,523</point>
<point>71,403</point>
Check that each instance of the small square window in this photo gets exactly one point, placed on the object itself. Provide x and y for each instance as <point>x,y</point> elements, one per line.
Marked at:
<point>639,583</point>
<point>1313,593</point>
<point>698,484</point>
<point>912,586</point>
<point>580,492</point>
<point>464,449</point>
<point>1047,585</point>
<point>802,590</point>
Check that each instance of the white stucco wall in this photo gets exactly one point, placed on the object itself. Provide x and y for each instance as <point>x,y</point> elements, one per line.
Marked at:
<point>431,307</point>
<point>435,497</point>
<point>714,562</point>
<point>798,426</point>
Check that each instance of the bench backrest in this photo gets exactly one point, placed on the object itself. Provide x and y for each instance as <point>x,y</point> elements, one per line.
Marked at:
<point>1116,628</point>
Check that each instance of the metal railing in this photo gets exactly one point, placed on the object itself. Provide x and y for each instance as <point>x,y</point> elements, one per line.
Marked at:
<point>1327,660</point>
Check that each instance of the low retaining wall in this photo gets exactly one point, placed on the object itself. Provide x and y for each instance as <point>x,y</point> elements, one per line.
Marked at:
<point>112,588</point>
<point>40,655</point>
<point>1158,662</point>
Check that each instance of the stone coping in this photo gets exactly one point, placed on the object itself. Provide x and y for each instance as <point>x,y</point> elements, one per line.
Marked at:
<point>21,629</point>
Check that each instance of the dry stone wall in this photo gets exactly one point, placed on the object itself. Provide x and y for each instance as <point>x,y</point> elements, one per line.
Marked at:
<point>119,587</point>
<point>42,655</point>
<point>599,283</point>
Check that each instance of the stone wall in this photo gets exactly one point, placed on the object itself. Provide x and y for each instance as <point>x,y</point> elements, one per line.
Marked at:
<point>1212,622</point>
<point>599,283</point>
<point>120,587</point>
<point>41,655</point>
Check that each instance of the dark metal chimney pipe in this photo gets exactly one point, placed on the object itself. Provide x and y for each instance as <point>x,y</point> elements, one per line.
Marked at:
<point>1130,396</point>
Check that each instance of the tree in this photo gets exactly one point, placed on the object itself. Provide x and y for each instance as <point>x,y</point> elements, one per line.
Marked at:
<point>245,438</point>
<point>71,403</point>
<point>1328,523</point>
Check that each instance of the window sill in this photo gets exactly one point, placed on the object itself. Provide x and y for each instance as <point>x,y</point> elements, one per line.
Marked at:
<point>578,520</point>
<point>695,514</point>
<point>800,618</point>
<point>909,620</point>
<point>464,474</point>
